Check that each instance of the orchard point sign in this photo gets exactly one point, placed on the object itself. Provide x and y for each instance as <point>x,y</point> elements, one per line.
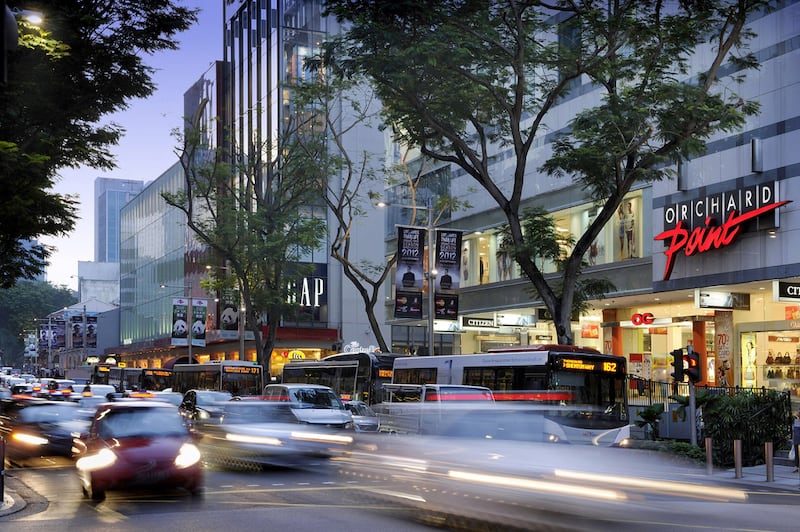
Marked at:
<point>696,226</point>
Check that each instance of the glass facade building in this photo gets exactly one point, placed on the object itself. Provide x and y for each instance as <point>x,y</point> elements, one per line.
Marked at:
<point>110,195</point>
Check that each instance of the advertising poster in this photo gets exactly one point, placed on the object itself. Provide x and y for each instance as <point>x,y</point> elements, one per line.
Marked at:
<point>91,331</point>
<point>410,272</point>
<point>59,332</point>
<point>448,260</point>
<point>180,326</point>
<point>446,307</point>
<point>408,304</point>
<point>199,315</point>
<point>77,331</point>
<point>448,281</point>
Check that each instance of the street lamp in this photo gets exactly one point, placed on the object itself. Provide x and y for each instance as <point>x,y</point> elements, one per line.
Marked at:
<point>188,288</point>
<point>430,275</point>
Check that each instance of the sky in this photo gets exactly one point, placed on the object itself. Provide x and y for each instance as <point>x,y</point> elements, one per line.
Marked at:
<point>148,148</point>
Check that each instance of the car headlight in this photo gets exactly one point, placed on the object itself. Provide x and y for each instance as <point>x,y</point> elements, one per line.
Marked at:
<point>102,459</point>
<point>28,439</point>
<point>188,455</point>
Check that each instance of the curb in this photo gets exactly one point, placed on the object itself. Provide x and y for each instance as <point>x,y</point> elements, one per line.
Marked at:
<point>12,502</point>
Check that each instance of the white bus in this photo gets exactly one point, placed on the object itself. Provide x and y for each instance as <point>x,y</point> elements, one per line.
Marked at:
<point>235,376</point>
<point>581,391</point>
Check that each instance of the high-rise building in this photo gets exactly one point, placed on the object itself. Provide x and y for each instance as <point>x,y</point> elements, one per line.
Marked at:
<point>110,195</point>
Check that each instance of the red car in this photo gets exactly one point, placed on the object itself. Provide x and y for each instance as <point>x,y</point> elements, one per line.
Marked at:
<point>135,445</point>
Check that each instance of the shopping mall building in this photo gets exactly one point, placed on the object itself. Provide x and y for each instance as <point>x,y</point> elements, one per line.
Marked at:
<point>733,290</point>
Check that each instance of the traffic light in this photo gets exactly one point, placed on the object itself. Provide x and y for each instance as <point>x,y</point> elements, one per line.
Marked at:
<point>693,366</point>
<point>677,363</point>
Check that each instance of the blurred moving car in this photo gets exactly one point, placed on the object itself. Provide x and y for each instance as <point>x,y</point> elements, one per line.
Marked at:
<point>311,403</point>
<point>201,405</point>
<point>36,428</point>
<point>136,444</point>
<point>364,418</point>
<point>57,389</point>
<point>260,433</point>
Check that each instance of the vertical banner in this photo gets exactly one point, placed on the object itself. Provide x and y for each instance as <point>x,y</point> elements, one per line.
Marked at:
<point>229,314</point>
<point>180,327</point>
<point>76,323</point>
<point>59,332</point>
<point>448,264</point>
<point>91,331</point>
<point>410,272</point>
<point>199,315</point>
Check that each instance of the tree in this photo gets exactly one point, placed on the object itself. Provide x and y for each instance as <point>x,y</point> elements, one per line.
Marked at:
<point>354,177</point>
<point>63,80</point>
<point>257,215</point>
<point>20,308</point>
<point>461,80</point>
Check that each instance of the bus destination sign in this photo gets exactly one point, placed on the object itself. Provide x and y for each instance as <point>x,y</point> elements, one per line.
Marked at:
<point>246,370</point>
<point>577,364</point>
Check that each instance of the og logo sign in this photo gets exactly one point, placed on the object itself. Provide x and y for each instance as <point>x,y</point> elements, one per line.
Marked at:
<point>644,318</point>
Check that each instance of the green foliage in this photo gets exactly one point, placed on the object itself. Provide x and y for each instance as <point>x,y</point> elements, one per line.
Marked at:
<point>258,216</point>
<point>20,306</point>
<point>85,63</point>
<point>682,448</point>
<point>462,80</point>
<point>754,418</point>
<point>651,416</point>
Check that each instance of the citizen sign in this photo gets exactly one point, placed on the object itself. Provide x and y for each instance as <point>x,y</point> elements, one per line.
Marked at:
<point>786,291</point>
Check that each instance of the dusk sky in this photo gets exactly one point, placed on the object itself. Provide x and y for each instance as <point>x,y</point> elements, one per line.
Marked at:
<point>148,147</point>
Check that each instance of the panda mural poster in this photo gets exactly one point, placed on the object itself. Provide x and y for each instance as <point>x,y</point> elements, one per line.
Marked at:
<point>180,325</point>
<point>199,315</point>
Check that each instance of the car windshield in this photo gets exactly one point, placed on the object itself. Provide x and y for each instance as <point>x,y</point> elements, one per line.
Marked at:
<point>206,397</point>
<point>317,398</point>
<point>239,412</point>
<point>360,409</point>
<point>146,422</point>
<point>54,413</point>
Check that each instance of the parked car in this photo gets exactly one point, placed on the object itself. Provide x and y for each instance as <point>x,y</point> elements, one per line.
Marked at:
<point>364,418</point>
<point>258,433</point>
<point>34,428</point>
<point>311,403</point>
<point>134,444</point>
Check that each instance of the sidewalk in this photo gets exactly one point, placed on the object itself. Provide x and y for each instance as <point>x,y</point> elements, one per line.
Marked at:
<point>756,476</point>
<point>12,501</point>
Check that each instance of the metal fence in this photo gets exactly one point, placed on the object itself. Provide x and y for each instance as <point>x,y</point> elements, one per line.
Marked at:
<point>643,392</point>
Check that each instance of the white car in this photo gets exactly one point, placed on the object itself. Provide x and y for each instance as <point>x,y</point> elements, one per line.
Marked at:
<point>311,403</point>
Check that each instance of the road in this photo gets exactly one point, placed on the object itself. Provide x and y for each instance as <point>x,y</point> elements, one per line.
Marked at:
<point>322,497</point>
<point>288,499</point>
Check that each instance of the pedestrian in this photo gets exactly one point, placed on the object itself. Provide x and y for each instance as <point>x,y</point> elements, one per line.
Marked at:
<point>796,441</point>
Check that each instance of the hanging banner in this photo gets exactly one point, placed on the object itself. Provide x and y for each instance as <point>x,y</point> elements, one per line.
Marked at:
<point>446,306</point>
<point>59,332</point>
<point>180,327</point>
<point>410,272</point>
<point>76,327</point>
<point>199,315</point>
<point>91,331</point>
<point>448,264</point>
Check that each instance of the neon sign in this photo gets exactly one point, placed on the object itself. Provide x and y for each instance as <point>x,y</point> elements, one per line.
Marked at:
<point>708,236</point>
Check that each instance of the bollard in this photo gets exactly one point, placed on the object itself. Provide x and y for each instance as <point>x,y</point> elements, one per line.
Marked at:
<point>709,458</point>
<point>737,458</point>
<point>770,462</point>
